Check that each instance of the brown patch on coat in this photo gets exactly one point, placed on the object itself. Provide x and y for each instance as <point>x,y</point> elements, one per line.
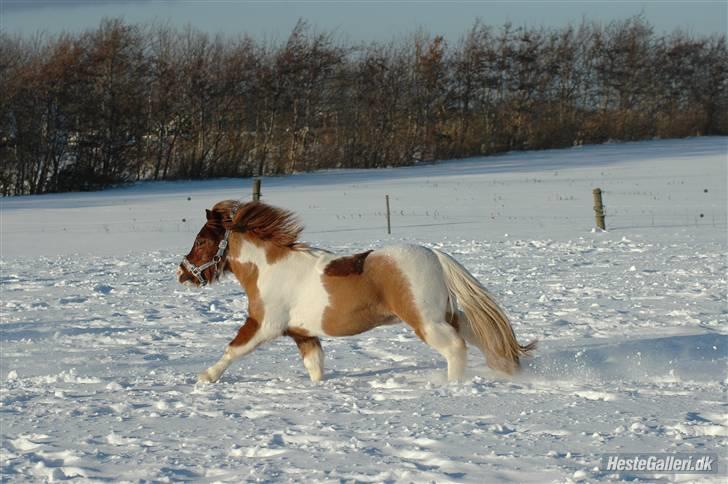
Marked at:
<point>247,275</point>
<point>346,266</point>
<point>246,332</point>
<point>379,295</point>
<point>306,344</point>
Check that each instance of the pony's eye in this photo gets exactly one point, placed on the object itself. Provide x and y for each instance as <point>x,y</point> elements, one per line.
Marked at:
<point>199,242</point>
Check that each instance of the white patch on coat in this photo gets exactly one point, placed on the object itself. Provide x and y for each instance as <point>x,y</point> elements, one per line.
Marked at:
<point>290,289</point>
<point>422,269</point>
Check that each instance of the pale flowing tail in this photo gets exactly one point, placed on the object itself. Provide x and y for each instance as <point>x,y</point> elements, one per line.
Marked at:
<point>481,322</point>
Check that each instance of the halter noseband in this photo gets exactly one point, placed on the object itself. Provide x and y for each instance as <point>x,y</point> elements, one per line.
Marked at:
<point>199,271</point>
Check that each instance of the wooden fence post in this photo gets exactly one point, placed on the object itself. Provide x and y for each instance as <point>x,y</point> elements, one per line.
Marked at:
<point>389,224</point>
<point>256,189</point>
<point>599,208</point>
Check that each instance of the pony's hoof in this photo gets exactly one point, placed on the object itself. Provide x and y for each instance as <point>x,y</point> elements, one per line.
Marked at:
<point>204,378</point>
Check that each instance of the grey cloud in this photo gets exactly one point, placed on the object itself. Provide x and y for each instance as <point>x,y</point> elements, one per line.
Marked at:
<point>25,5</point>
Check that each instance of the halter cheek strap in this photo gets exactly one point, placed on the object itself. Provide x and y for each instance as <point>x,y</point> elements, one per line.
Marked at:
<point>199,271</point>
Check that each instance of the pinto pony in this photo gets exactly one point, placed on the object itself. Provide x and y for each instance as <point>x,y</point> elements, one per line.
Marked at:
<point>305,293</point>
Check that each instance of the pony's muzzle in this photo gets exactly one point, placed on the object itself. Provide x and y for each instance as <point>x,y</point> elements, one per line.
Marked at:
<point>184,277</point>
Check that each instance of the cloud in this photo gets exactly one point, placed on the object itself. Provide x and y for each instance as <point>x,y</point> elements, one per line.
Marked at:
<point>26,5</point>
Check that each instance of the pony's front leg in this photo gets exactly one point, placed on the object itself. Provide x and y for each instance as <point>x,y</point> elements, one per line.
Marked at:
<point>313,355</point>
<point>248,338</point>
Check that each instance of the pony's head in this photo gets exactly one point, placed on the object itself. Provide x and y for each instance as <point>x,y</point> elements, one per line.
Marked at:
<point>207,259</point>
<point>277,230</point>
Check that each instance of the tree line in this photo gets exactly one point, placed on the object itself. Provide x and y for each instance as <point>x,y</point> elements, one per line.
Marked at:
<point>125,102</point>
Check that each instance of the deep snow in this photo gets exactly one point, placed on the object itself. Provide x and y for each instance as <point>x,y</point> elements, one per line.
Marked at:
<point>100,346</point>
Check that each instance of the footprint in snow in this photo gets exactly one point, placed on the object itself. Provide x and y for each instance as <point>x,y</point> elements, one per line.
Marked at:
<point>72,300</point>
<point>103,289</point>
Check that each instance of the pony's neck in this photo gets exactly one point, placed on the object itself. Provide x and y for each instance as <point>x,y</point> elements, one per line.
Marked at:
<point>248,249</point>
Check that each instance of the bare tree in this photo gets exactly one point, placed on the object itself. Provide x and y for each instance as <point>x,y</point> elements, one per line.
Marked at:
<point>124,102</point>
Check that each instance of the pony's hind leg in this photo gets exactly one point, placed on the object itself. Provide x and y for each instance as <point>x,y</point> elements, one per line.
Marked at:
<point>312,354</point>
<point>445,339</point>
<point>415,291</point>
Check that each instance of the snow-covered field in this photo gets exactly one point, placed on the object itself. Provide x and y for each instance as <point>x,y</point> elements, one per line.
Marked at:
<point>100,346</point>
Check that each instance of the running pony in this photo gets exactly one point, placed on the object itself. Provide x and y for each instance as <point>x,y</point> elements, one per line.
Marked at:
<point>306,293</point>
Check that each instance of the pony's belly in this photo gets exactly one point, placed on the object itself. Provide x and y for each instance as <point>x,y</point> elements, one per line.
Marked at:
<point>357,323</point>
<point>345,327</point>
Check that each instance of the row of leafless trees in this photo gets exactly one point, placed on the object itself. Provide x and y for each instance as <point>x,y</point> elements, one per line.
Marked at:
<point>127,102</point>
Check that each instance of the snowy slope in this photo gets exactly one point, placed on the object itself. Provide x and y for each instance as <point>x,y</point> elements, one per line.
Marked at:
<point>100,346</point>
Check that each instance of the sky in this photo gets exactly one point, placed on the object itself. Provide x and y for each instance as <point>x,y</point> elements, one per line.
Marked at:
<point>373,20</point>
